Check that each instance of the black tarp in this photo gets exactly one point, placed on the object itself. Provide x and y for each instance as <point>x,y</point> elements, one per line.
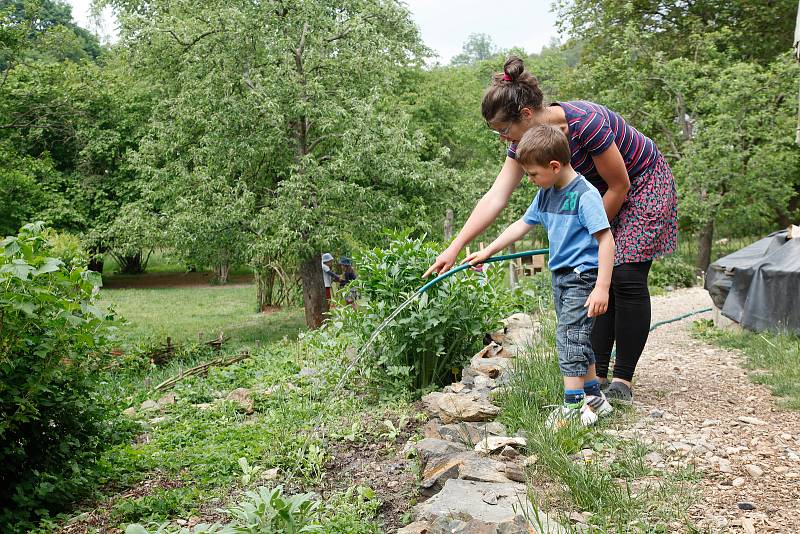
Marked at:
<point>759,285</point>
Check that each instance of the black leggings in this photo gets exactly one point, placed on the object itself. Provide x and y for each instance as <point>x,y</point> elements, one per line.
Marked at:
<point>627,321</point>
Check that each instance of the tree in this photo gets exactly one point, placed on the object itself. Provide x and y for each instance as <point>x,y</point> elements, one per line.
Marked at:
<point>285,102</point>
<point>478,47</point>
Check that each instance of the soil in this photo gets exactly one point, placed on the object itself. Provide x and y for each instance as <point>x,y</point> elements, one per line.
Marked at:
<point>168,280</point>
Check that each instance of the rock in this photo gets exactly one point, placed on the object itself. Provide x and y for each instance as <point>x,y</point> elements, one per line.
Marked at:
<point>241,396</point>
<point>656,414</point>
<point>509,452</point>
<point>751,420</point>
<point>520,330</point>
<point>157,420</point>
<point>725,466</point>
<point>748,526</point>
<point>654,458</point>
<point>483,382</point>
<point>417,527</point>
<point>490,498</point>
<point>203,406</point>
<point>456,387</point>
<point>166,400</point>
<point>515,473</point>
<point>530,460</point>
<point>491,367</point>
<point>307,371</point>
<point>781,469</point>
<point>271,474</point>
<point>482,469</point>
<point>753,470</point>
<point>491,444</point>
<point>439,470</point>
<point>433,429</point>
<point>745,506</point>
<point>430,449</point>
<point>129,412</point>
<point>392,484</point>
<point>738,482</point>
<point>148,405</point>
<point>181,522</point>
<point>494,428</point>
<point>431,402</point>
<point>469,407</point>
<point>464,500</point>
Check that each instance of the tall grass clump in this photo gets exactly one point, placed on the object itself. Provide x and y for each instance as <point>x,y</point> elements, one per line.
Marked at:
<point>614,483</point>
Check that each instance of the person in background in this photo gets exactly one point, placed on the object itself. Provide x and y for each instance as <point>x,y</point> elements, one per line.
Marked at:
<point>348,275</point>
<point>328,275</point>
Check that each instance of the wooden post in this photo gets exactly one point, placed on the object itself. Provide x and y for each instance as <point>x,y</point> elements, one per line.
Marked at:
<point>448,225</point>
<point>512,272</point>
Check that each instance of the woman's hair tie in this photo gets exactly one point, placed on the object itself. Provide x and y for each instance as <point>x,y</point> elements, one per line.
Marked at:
<point>506,77</point>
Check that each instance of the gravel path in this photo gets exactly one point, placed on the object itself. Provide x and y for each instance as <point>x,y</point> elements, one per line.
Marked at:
<point>696,402</point>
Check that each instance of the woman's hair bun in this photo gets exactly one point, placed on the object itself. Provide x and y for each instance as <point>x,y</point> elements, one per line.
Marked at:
<point>514,68</point>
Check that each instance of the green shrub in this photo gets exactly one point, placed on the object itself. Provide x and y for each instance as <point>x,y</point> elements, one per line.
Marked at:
<point>672,272</point>
<point>432,338</point>
<point>52,344</point>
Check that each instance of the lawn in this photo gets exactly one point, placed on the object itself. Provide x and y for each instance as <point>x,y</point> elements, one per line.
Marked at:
<point>187,312</point>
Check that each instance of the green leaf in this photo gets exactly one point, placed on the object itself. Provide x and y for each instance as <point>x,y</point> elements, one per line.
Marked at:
<point>18,269</point>
<point>50,265</point>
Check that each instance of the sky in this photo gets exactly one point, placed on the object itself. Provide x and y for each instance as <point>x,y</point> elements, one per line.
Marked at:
<point>445,24</point>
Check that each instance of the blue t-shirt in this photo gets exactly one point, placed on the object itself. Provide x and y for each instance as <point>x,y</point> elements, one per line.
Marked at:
<point>571,216</point>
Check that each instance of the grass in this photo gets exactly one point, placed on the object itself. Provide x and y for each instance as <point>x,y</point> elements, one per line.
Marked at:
<point>184,459</point>
<point>184,313</point>
<point>774,358</point>
<point>621,490</point>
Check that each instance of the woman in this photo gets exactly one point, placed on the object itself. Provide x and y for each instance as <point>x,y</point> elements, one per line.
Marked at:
<point>638,195</point>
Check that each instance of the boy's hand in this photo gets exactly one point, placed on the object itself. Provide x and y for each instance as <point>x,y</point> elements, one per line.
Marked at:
<point>476,258</point>
<point>597,302</point>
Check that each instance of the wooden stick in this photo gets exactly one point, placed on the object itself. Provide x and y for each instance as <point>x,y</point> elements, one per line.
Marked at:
<point>222,362</point>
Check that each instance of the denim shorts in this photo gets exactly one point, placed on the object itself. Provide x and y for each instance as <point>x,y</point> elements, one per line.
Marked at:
<point>573,334</point>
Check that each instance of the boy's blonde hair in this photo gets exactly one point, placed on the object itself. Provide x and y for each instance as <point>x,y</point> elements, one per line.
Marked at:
<point>542,144</point>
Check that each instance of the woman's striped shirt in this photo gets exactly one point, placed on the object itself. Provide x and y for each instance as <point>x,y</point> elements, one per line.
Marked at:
<point>592,129</point>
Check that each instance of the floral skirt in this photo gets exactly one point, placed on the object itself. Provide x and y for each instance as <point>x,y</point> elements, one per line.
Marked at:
<point>646,226</point>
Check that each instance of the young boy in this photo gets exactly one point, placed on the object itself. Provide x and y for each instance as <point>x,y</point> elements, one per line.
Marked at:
<point>581,259</point>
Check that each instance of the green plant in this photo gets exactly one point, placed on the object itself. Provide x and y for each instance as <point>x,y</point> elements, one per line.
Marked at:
<point>53,344</point>
<point>249,472</point>
<point>270,511</point>
<point>672,272</point>
<point>433,336</point>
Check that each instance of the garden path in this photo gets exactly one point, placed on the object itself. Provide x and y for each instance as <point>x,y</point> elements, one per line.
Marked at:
<point>696,401</point>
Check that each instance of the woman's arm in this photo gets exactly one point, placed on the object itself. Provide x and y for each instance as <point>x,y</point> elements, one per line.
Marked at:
<point>611,168</point>
<point>485,212</point>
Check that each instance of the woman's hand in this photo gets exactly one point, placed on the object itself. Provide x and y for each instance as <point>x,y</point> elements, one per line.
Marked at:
<point>444,262</point>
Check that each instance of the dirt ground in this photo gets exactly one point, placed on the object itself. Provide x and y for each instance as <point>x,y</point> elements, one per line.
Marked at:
<point>168,280</point>
<point>696,401</point>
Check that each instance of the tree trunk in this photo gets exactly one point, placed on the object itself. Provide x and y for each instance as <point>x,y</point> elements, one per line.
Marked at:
<point>266,285</point>
<point>704,243</point>
<point>313,290</point>
<point>131,264</point>
<point>221,273</point>
<point>96,263</point>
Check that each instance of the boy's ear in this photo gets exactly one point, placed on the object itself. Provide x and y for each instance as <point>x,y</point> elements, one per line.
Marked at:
<point>555,166</point>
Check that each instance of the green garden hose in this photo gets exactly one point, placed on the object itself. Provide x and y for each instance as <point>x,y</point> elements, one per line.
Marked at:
<point>493,259</point>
